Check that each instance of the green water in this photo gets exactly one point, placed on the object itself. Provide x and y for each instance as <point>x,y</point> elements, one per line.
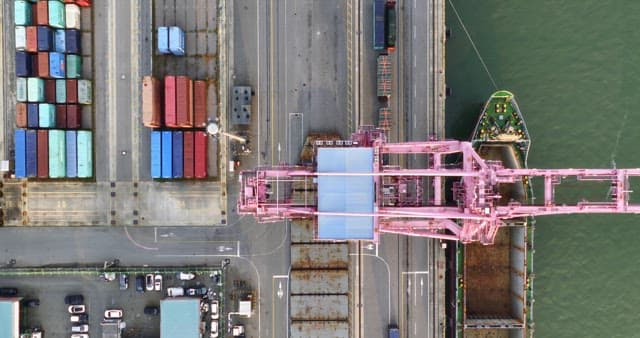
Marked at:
<point>574,67</point>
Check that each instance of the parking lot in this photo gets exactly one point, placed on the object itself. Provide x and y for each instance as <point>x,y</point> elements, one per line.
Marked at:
<point>52,315</point>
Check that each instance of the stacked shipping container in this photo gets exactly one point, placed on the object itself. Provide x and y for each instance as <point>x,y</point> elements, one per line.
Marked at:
<point>49,91</point>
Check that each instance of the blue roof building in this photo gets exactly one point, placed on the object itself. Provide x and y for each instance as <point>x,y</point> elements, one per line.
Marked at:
<point>180,317</point>
<point>9,317</point>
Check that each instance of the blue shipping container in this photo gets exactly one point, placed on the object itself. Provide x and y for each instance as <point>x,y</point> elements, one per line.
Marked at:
<point>20,140</point>
<point>163,40</point>
<point>72,153</point>
<point>177,154</point>
<point>378,24</point>
<point>59,44</point>
<point>45,39</point>
<point>57,67</point>
<point>22,13</point>
<point>167,154</point>
<point>72,41</point>
<point>32,115</point>
<point>24,64</point>
<point>47,115</point>
<point>176,40</point>
<point>32,153</point>
<point>156,154</point>
<point>85,153</point>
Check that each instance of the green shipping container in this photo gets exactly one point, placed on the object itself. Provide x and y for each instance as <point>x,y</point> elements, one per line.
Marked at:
<point>46,115</point>
<point>61,91</point>
<point>21,90</point>
<point>85,154</point>
<point>84,91</point>
<point>74,66</point>
<point>57,154</point>
<point>22,11</point>
<point>56,14</point>
<point>35,89</point>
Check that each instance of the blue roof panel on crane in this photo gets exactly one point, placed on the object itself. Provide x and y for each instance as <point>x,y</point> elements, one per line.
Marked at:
<point>349,194</point>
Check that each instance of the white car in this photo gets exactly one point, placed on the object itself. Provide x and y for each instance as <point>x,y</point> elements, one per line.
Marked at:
<point>79,335</point>
<point>175,291</point>
<point>113,314</point>
<point>214,310</point>
<point>149,282</point>
<point>84,328</point>
<point>158,283</point>
<point>214,329</point>
<point>73,309</point>
<point>186,276</point>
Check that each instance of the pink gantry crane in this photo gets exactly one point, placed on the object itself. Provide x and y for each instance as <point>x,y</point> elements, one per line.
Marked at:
<point>397,195</point>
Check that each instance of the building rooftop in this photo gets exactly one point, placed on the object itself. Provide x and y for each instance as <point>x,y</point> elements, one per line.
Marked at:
<point>9,317</point>
<point>345,193</point>
<point>180,317</point>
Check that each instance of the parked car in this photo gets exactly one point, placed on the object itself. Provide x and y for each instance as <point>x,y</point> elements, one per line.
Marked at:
<point>84,328</point>
<point>79,335</point>
<point>31,302</point>
<point>158,283</point>
<point>140,283</point>
<point>214,310</point>
<point>197,291</point>
<point>79,318</point>
<point>124,281</point>
<point>113,314</point>
<point>149,282</point>
<point>151,310</point>
<point>74,309</point>
<point>185,275</point>
<point>8,292</point>
<point>74,299</point>
<point>214,329</point>
<point>175,291</point>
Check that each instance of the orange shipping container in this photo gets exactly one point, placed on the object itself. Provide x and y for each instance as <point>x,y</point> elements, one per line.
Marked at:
<point>32,39</point>
<point>42,64</point>
<point>199,104</point>
<point>21,115</point>
<point>41,13</point>
<point>170,101</point>
<point>184,105</point>
<point>151,115</point>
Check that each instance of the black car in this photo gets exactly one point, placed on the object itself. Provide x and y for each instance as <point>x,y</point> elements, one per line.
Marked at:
<point>8,292</point>
<point>74,300</point>
<point>151,310</point>
<point>196,291</point>
<point>140,283</point>
<point>31,302</point>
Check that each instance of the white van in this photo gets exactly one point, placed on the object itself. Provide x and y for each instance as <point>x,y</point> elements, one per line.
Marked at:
<point>175,291</point>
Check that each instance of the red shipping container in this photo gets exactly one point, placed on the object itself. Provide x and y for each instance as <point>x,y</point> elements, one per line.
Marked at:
<point>151,112</point>
<point>34,14</point>
<point>170,101</point>
<point>200,154</point>
<point>41,13</point>
<point>72,91</point>
<point>42,64</point>
<point>21,115</point>
<point>43,153</point>
<point>32,39</point>
<point>187,154</point>
<point>50,91</point>
<point>184,107</point>
<point>74,119</point>
<point>61,116</point>
<point>199,104</point>
<point>81,3</point>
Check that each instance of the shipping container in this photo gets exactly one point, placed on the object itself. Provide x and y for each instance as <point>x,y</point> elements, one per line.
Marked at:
<point>378,24</point>
<point>383,73</point>
<point>72,153</point>
<point>34,13</point>
<point>324,328</point>
<point>32,115</point>
<point>21,115</point>
<point>61,116</point>
<point>21,38</point>
<point>81,3</point>
<point>72,41</point>
<point>56,14</point>
<point>390,26</point>
<point>72,16</point>
<point>74,116</point>
<point>20,151</point>
<point>320,256</point>
<point>151,111</point>
<point>21,89</point>
<point>74,66</point>
<point>57,154</point>
<point>24,64</point>
<point>320,307</point>
<point>57,66</point>
<point>200,154</point>
<point>45,39</point>
<point>59,41</point>
<point>22,13</point>
<point>72,91</point>
<point>85,92</point>
<point>42,65</point>
<point>35,89</point>
<point>50,91</point>
<point>46,115</point>
<point>170,101</point>
<point>167,153</point>
<point>85,153</point>
<point>31,33</point>
<point>61,91</point>
<point>317,282</point>
<point>32,153</point>
<point>177,156</point>
<point>184,108</point>
<point>43,153</point>
<point>188,154</point>
<point>199,104</point>
<point>41,14</point>
<point>156,154</point>
<point>163,40</point>
<point>176,40</point>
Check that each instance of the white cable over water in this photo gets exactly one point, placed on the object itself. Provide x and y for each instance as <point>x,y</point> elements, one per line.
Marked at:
<point>473,45</point>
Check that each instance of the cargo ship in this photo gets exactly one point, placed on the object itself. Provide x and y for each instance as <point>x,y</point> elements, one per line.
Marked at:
<point>494,287</point>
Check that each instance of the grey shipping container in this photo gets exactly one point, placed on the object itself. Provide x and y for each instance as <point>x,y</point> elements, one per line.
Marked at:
<point>320,307</point>
<point>320,256</point>
<point>84,91</point>
<point>319,281</point>
<point>319,329</point>
<point>21,89</point>
<point>21,38</point>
